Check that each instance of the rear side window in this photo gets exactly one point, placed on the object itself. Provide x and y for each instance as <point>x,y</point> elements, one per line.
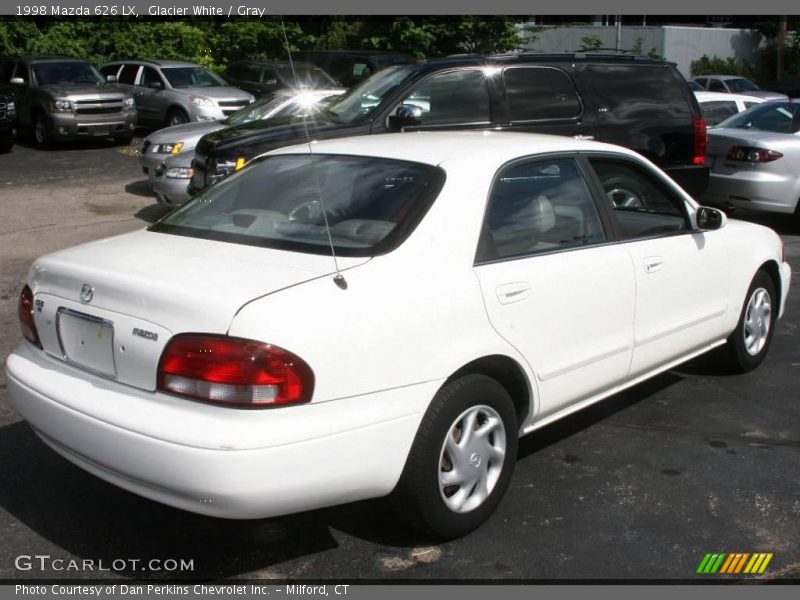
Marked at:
<point>717,86</point>
<point>536,93</point>
<point>639,92</point>
<point>717,111</point>
<point>539,206</point>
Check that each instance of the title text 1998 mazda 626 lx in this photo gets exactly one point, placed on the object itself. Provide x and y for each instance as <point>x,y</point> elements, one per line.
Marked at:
<point>489,283</point>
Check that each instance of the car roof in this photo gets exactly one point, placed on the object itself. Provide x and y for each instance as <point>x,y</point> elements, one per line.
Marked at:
<point>435,148</point>
<point>723,77</point>
<point>48,58</point>
<point>705,96</point>
<point>154,62</point>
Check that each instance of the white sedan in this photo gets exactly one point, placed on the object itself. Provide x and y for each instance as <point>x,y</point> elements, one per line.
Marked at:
<point>717,107</point>
<point>754,159</point>
<point>484,284</point>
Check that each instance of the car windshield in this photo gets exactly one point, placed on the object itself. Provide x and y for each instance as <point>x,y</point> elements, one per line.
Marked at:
<point>281,105</point>
<point>363,98</point>
<point>779,117</point>
<point>372,204</point>
<point>306,76</point>
<point>187,77</point>
<point>67,72</point>
<point>741,85</point>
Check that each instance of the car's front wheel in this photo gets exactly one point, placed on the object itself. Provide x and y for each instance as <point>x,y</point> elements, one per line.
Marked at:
<point>177,116</point>
<point>41,132</point>
<point>749,343</point>
<point>461,460</point>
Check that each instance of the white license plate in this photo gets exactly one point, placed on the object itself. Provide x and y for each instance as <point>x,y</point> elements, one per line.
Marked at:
<point>87,341</point>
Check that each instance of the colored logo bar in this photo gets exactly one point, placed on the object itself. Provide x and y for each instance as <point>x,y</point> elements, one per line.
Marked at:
<point>734,562</point>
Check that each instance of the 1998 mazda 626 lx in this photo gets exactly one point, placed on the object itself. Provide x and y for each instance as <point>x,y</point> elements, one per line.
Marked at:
<point>488,284</point>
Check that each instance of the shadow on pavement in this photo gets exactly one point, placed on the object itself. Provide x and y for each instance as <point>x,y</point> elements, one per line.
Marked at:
<point>152,213</point>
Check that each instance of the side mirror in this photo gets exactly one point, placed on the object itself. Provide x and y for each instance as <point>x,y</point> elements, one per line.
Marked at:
<point>155,85</point>
<point>17,81</point>
<point>709,219</point>
<point>406,115</point>
<point>111,78</point>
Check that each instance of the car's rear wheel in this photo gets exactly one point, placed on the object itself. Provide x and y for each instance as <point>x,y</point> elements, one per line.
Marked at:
<point>461,460</point>
<point>749,343</point>
<point>177,116</point>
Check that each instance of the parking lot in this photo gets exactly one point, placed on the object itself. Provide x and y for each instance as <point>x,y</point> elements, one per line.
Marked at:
<point>640,486</point>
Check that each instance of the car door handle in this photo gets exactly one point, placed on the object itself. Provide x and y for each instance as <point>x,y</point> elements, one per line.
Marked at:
<point>653,264</point>
<point>513,292</point>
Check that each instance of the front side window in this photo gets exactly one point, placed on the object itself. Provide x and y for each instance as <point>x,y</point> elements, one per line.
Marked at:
<point>371,204</point>
<point>741,85</point>
<point>539,206</point>
<point>717,86</point>
<point>150,77</point>
<point>643,206</point>
<point>128,74</point>
<point>452,98</point>
<point>540,93</point>
<point>66,73</point>
<point>185,77</point>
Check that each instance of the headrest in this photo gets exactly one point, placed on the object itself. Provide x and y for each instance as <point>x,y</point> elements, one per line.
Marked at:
<point>540,214</point>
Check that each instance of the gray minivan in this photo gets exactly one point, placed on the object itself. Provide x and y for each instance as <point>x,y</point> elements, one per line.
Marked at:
<point>171,92</point>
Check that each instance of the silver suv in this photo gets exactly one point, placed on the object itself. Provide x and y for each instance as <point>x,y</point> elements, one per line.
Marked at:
<point>64,98</point>
<point>171,92</point>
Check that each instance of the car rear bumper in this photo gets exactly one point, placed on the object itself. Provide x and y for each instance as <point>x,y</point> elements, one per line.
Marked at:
<point>222,462</point>
<point>756,190</point>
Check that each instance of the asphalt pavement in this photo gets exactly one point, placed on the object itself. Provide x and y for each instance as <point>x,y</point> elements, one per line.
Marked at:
<point>640,486</point>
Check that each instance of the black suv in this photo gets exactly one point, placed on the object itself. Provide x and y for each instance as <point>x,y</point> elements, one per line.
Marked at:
<point>260,77</point>
<point>8,118</point>
<point>640,103</point>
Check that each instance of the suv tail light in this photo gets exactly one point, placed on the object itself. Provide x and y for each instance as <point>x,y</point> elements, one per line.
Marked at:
<point>752,154</point>
<point>700,140</point>
<point>233,371</point>
<point>25,313</point>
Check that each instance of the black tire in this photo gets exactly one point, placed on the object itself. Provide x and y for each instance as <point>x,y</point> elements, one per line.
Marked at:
<point>42,136</point>
<point>418,498</point>
<point>177,116</point>
<point>738,355</point>
<point>624,192</point>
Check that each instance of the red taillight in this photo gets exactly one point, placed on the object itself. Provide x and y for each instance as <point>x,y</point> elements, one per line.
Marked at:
<point>25,313</point>
<point>752,154</point>
<point>233,371</point>
<point>700,140</point>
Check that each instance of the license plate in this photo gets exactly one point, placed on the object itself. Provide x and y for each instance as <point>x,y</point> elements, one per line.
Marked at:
<point>104,130</point>
<point>87,341</point>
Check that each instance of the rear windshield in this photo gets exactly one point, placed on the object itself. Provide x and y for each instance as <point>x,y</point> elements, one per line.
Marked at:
<point>372,204</point>
<point>185,77</point>
<point>778,117</point>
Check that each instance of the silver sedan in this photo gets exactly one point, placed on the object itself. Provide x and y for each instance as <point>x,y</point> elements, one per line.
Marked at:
<point>754,159</point>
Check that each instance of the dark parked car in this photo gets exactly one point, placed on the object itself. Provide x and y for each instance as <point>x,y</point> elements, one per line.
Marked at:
<point>64,98</point>
<point>8,118</point>
<point>348,67</point>
<point>261,77</point>
<point>640,103</point>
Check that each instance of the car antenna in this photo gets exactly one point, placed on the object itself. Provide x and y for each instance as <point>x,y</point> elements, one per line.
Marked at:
<point>338,279</point>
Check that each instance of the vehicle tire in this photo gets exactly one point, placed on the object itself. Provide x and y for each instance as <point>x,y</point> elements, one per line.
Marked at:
<point>42,136</point>
<point>451,483</point>
<point>748,344</point>
<point>177,116</point>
